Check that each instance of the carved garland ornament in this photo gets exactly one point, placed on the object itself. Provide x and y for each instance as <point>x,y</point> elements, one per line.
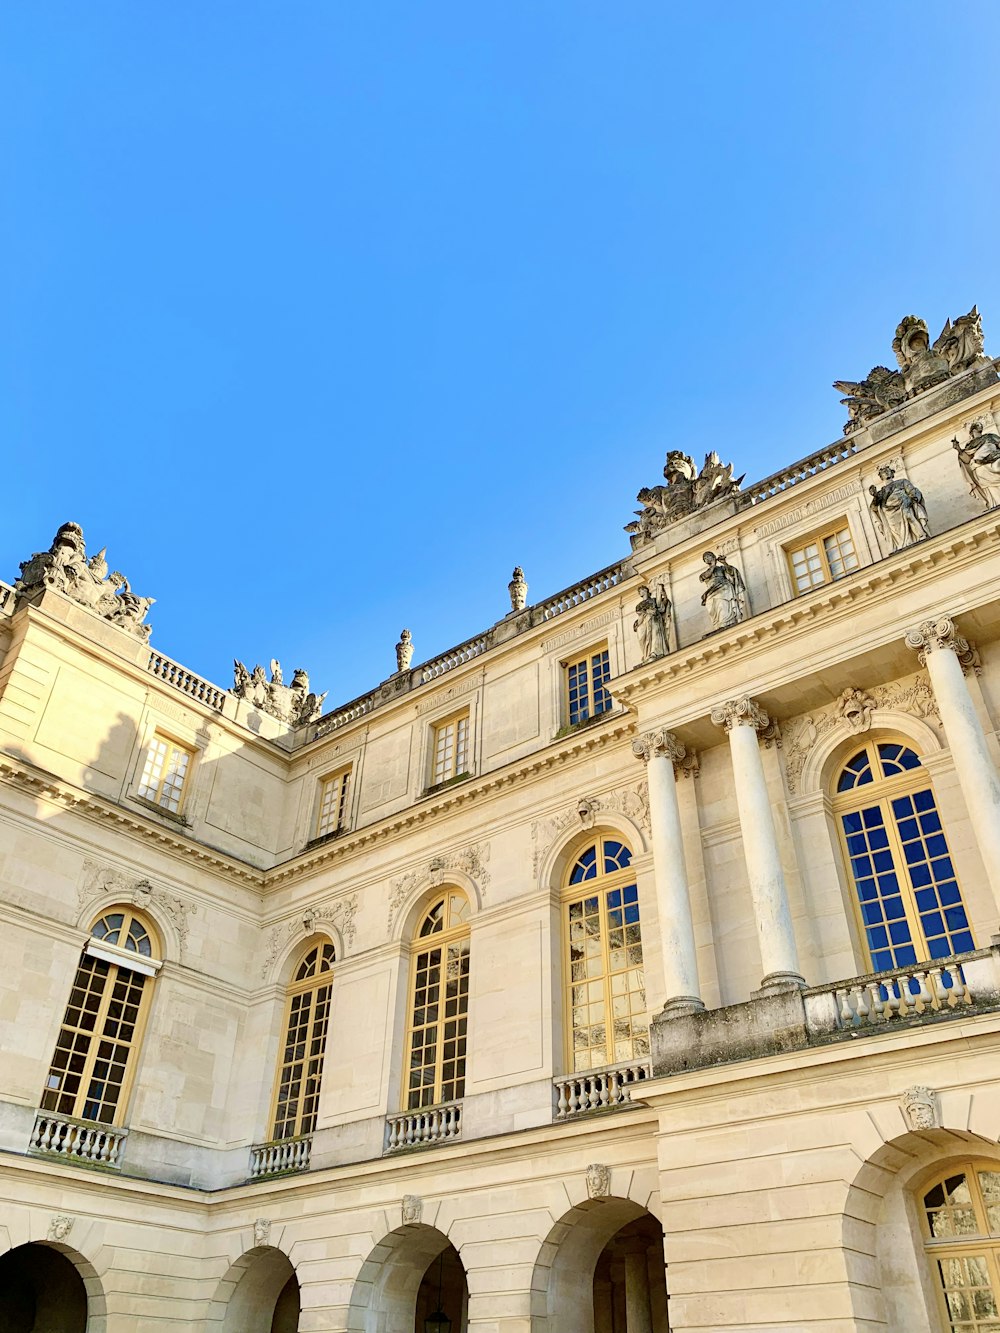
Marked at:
<point>99,881</point>
<point>471,861</point>
<point>340,913</point>
<point>632,802</point>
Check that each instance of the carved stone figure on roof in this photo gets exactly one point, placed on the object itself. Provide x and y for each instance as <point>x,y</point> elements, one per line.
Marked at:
<point>404,651</point>
<point>65,567</point>
<point>979,460</point>
<point>898,510</point>
<point>922,365</point>
<point>518,589</point>
<point>653,621</point>
<point>725,595</point>
<point>293,703</point>
<point>686,490</point>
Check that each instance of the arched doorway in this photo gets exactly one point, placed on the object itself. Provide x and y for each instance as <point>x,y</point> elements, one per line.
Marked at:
<point>41,1291</point>
<point>601,1269</point>
<point>259,1294</point>
<point>410,1276</point>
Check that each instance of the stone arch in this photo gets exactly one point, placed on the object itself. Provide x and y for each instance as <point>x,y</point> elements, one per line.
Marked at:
<point>836,745</point>
<point>54,1283</point>
<point>562,1282</point>
<point>166,934</point>
<point>424,891</point>
<point>556,858</point>
<point>259,1294</point>
<point>294,949</point>
<point>384,1298</point>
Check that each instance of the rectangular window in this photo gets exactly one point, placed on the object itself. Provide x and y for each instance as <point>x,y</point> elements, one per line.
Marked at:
<point>823,558</point>
<point>586,681</point>
<point>164,773</point>
<point>333,793</point>
<point>451,749</point>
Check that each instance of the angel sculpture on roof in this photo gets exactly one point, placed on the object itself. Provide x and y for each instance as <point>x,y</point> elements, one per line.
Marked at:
<point>293,703</point>
<point>686,490</point>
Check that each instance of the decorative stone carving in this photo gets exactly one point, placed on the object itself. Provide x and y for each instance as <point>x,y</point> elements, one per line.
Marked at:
<point>654,621</point>
<point>598,1181</point>
<point>725,593</point>
<point>65,567</point>
<point>742,712</point>
<point>288,703</point>
<point>340,913</point>
<point>99,881</point>
<point>979,460</point>
<point>413,1209</point>
<point>630,801</point>
<point>920,1106</point>
<point>930,635</point>
<point>898,510</point>
<point>471,861</point>
<point>855,708</point>
<point>60,1226</point>
<point>404,651</point>
<point>518,589</point>
<point>262,1231</point>
<point>686,490</point>
<point>652,744</point>
<point>958,347</point>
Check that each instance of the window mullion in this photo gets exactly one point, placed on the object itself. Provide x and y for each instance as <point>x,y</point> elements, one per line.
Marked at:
<point>903,876</point>
<point>96,1037</point>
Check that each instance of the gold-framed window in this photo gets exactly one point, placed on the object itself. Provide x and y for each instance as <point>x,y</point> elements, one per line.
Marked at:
<point>906,893</point>
<point>585,681</point>
<point>165,773</point>
<point>307,1023</point>
<point>961,1226</point>
<point>331,816</point>
<point>97,1049</point>
<point>450,749</point>
<point>439,1004</point>
<point>822,557</point>
<point>605,1006</point>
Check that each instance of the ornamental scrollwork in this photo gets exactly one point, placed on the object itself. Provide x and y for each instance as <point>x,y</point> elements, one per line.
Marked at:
<point>340,913</point>
<point>633,802</point>
<point>471,861</point>
<point>100,880</point>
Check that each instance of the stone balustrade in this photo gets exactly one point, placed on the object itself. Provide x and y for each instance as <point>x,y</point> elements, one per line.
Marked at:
<point>454,657</point>
<point>359,707</point>
<point>579,592</point>
<point>933,988</point>
<point>820,461</point>
<point>598,1089</point>
<point>77,1140</point>
<point>187,682</point>
<point>410,1129</point>
<point>280,1156</point>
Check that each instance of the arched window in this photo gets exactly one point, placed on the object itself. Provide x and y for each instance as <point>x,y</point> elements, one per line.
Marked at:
<point>97,1048</point>
<point>439,1004</point>
<point>606,989</point>
<point>296,1099</point>
<point>908,898</point>
<point>962,1241</point>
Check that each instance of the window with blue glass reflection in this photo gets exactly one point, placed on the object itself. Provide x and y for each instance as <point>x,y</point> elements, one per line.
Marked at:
<point>910,903</point>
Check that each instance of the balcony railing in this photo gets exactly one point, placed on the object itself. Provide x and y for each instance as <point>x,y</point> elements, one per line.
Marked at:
<point>186,681</point>
<point>77,1140</point>
<point>280,1157</point>
<point>411,1129</point>
<point>905,992</point>
<point>598,1089</point>
<point>820,461</point>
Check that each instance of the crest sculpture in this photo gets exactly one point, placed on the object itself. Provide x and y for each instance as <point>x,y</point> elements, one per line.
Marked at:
<point>686,490</point>
<point>65,567</point>
<point>922,365</point>
<point>288,703</point>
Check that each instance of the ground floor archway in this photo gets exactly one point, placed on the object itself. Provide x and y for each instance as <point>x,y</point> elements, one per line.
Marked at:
<point>41,1291</point>
<point>259,1294</point>
<point>409,1276</point>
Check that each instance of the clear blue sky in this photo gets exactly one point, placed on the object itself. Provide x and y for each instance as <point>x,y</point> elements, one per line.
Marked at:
<point>321,316</point>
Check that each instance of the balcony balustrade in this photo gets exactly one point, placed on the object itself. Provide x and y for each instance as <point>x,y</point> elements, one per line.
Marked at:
<point>280,1157</point>
<point>598,1089</point>
<point>77,1140</point>
<point>413,1129</point>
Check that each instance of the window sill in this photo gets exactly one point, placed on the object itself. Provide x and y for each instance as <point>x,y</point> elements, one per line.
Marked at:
<point>178,819</point>
<point>571,728</point>
<point>326,837</point>
<point>448,782</point>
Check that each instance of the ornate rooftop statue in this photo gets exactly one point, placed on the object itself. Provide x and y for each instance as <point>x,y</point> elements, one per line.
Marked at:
<point>404,651</point>
<point>725,594</point>
<point>898,510</point>
<point>518,589</point>
<point>653,621</point>
<point>65,567</point>
<point>686,490</point>
<point>922,365</point>
<point>288,703</point>
<point>979,459</point>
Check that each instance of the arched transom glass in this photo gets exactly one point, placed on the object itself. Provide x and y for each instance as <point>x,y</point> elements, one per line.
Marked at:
<point>605,986</point>
<point>962,1242</point>
<point>307,1022</point>
<point>439,1004</point>
<point>908,898</point>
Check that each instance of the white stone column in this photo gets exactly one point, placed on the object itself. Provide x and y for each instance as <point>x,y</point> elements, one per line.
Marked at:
<point>661,750</point>
<point>743,719</point>
<point>948,657</point>
<point>637,1314</point>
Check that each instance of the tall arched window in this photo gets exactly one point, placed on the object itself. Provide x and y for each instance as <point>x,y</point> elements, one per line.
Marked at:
<point>439,1004</point>
<point>908,898</point>
<point>962,1241</point>
<point>606,988</point>
<point>296,1099</point>
<point>98,1044</point>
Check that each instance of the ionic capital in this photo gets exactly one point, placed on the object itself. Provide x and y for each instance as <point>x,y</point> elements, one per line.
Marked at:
<point>931,635</point>
<point>742,712</point>
<point>658,744</point>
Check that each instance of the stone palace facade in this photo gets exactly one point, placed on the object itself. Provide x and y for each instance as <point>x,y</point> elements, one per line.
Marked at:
<point>632,966</point>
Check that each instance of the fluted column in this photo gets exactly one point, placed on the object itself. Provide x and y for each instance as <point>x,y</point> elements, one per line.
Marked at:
<point>661,750</point>
<point>638,1318</point>
<point>948,657</point>
<point>742,720</point>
